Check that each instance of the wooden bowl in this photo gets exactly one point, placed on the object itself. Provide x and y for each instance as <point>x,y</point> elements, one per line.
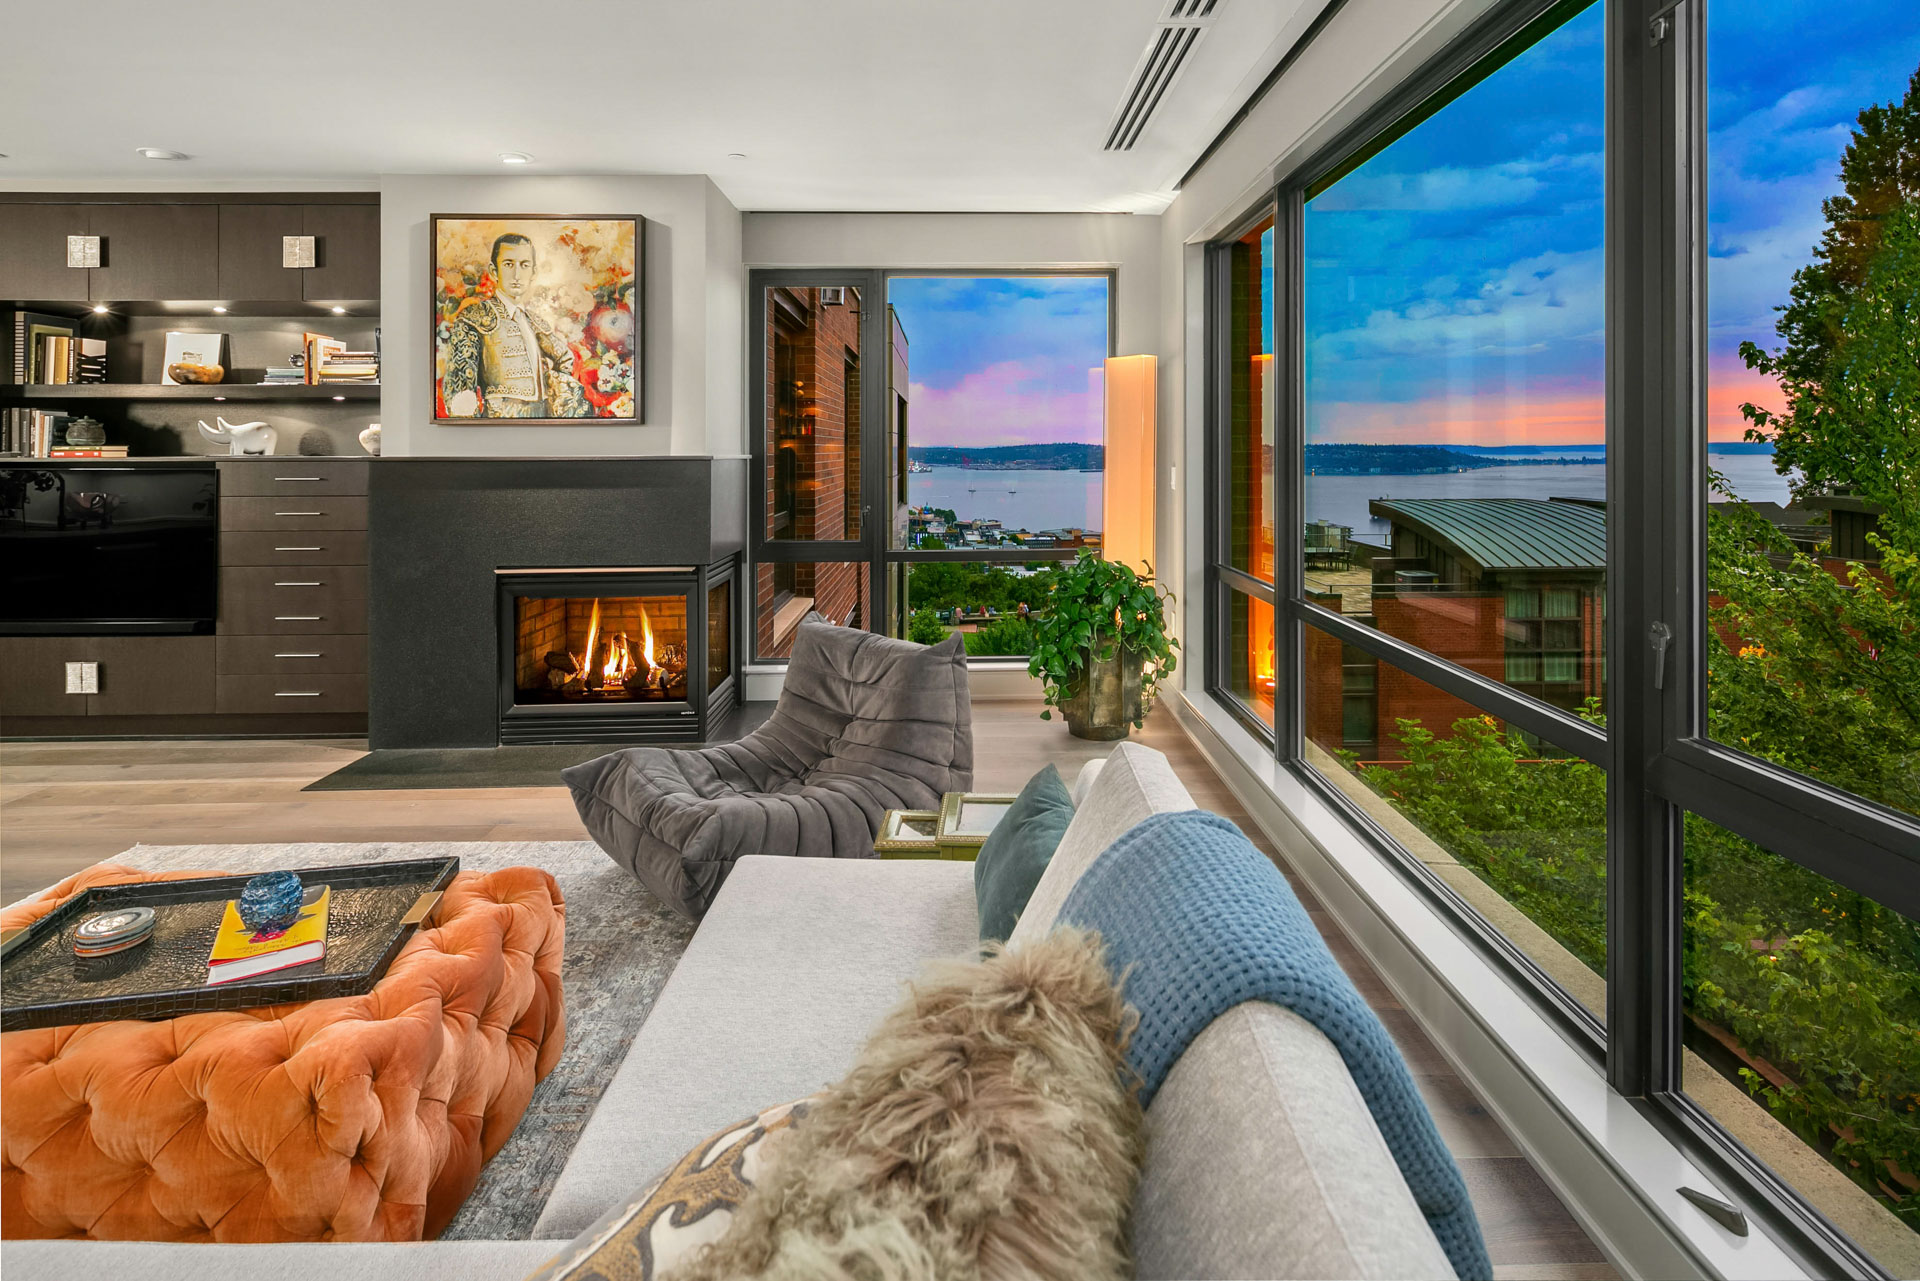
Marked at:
<point>185,373</point>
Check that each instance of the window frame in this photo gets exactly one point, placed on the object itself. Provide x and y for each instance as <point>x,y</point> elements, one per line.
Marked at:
<point>1659,762</point>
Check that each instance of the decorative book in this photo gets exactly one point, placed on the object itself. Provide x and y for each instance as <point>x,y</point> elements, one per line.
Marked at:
<point>239,953</point>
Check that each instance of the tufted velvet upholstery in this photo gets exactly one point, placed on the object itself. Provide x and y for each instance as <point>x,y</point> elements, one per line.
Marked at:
<point>361,1118</point>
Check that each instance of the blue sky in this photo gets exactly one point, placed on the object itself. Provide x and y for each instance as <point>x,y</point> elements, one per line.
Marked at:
<point>1455,281</point>
<point>1003,360</point>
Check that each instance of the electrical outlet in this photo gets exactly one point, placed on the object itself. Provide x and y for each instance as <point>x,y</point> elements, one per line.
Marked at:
<point>83,678</point>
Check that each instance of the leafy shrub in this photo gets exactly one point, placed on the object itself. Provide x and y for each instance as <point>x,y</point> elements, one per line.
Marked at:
<point>1013,636</point>
<point>925,627</point>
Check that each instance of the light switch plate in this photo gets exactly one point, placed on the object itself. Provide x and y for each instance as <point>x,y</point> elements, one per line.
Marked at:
<point>83,251</point>
<point>296,251</point>
<point>83,678</point>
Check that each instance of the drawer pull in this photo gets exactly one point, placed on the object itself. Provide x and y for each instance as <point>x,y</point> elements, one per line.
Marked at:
<point>299,656</point>
<point>299,513</point>
<point>299,549</point>
<point>296,584</point>
<point>296,478</point>
<point>296,618</point>
<point>299,694</point>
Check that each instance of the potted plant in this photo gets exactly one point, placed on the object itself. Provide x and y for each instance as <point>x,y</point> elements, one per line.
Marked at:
<point>1101,646</point>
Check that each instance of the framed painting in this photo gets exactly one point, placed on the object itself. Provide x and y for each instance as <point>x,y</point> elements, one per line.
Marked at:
<point>536,319</point>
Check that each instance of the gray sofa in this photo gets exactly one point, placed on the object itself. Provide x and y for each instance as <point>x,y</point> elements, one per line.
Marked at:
<point>1262,1159</point>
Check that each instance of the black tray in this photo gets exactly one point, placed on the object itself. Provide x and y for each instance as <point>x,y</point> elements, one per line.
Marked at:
<point>43,984</point>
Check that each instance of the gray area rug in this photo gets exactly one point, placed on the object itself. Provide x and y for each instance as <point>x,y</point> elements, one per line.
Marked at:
<point>518,765</point>
<point>622,944</point>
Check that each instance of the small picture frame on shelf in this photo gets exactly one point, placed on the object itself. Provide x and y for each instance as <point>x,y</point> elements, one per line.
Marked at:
<point>967,819</point>
<point>908,834</point>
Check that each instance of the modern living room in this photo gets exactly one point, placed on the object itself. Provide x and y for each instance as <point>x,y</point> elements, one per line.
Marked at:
<point>1176,639</point>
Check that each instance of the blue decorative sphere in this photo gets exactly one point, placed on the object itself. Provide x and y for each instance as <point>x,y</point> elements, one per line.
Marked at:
<point>270,902</point>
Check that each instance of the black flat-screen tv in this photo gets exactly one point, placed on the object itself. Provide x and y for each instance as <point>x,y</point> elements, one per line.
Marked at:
<point>99,550</point>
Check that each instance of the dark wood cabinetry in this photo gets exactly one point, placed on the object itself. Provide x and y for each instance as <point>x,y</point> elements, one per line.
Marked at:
<point>290,650</point>
<point>153,253</point>
<point>33,252</point>
<point>190,247</point>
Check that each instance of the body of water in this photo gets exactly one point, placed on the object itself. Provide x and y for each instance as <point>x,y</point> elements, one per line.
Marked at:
<point>1036,500</point>
<point>1029,500</point>
<point>1343,499</point>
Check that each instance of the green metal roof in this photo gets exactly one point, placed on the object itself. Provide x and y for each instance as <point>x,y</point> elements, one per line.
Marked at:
<point>1507,533</point>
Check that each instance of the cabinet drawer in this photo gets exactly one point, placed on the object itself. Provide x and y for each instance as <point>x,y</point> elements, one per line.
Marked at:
<point>292,655</point>
<point>294,511</point>
<point>138,675</point>
<point>313,600</point>
<point>294,477</point>
<point>280,695</point>
<point>313,547</point>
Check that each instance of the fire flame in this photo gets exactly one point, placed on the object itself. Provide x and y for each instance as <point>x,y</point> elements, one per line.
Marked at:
<point>619,664</point>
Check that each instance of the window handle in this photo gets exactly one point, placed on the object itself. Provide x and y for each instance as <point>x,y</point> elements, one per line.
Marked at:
<point>1662,637</point>
<point>1660,25</point>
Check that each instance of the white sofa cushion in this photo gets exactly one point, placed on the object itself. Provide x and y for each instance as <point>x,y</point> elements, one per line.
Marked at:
<point>792,967</point>
<point>1263,1161</point>
<point>308,1261</point>
<point>1134,783</point>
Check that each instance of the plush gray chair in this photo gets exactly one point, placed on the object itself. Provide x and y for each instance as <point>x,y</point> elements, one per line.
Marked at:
<point>865,724</point>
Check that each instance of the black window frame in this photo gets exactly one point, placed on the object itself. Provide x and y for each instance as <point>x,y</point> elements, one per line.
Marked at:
<point>1660,764</point>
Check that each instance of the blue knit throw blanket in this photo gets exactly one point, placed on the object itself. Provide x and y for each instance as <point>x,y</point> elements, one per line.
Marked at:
<point>1197,920</point>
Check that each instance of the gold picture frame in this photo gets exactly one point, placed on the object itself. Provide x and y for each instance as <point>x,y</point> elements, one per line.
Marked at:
<point>967,819</point>
<point>908,834</point>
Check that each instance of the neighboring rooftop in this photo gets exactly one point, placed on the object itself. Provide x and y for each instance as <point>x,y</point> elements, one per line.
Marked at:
<point>1507,533</point>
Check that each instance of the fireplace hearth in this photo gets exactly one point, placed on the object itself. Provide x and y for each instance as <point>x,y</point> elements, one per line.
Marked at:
<point>615,655</point>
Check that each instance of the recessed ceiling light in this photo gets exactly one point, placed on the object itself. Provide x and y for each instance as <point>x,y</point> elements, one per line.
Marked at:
<point>339,311</point>
<point>99,309</point>
<point>736,155</point>
<point>339,397</point>
<point>159,153</point>
<point>220,311</point>
<point>219,397</point>
<point>515,158</point>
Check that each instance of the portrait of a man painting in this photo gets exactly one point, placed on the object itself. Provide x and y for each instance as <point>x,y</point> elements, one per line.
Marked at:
<point>536,318</point>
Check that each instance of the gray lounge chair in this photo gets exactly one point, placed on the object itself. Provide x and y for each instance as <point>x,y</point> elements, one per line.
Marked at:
<point>865,724</point>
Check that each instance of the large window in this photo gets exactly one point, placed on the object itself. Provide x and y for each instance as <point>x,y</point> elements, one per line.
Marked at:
<point>1001,472</point>
<point>1591,571</point>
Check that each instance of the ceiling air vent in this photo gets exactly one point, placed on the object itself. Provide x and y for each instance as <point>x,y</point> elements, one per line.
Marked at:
<point>1178,30</point>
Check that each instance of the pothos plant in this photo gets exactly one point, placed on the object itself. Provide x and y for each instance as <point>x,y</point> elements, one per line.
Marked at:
<point>1094,610</point>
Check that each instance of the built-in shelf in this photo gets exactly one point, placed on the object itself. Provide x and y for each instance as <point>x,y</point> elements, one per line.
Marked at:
<point>17,393</point>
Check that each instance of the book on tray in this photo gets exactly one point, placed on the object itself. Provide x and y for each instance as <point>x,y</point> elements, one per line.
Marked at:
<point>239,953</point>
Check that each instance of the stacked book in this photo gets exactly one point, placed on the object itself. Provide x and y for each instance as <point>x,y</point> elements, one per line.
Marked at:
<point>239,953</point>
<point>88,451</point>
<point>328,362</point>
<point>32,433</point>
<point>63,358</point>
<point>288,375</point>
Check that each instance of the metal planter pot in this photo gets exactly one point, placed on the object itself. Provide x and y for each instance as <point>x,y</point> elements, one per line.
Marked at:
<point>1104,702</point>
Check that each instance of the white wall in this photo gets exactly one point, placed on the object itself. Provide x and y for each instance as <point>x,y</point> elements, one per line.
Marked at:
<point>693,332</point>
<point>1363,52</point>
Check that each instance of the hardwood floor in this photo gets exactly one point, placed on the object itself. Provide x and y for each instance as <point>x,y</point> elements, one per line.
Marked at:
<point>64,806</point>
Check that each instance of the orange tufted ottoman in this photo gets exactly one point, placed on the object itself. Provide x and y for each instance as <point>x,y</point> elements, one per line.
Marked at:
<point>363,1118</point>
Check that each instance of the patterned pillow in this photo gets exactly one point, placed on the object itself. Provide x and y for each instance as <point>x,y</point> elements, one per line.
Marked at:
<point>688,1206</point>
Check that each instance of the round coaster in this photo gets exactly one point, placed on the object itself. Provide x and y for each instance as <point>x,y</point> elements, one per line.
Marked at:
<point>121,925</point>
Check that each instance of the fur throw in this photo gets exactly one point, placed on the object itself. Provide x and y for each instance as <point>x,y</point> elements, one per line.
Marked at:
<point>984,1132</point>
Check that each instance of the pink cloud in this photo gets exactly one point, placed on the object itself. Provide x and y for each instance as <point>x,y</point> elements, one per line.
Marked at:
<point>1730,384</point>
<point>1572,417</point>
<point>1013,402</point>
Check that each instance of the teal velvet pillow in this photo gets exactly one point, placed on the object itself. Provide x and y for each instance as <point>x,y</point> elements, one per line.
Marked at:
<point>1018,850</point>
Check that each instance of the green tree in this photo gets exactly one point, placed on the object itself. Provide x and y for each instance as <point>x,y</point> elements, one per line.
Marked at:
<point>1880,179</point>
<point>1010,636</point>
<point>925,627</point>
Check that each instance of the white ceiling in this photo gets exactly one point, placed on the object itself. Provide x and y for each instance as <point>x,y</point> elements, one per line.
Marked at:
<point>838,104</point>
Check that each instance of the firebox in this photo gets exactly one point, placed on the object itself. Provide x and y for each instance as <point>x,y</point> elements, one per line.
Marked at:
<point>616,655</point>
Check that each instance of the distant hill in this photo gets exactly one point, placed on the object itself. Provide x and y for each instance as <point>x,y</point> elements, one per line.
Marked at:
<point>1416,460</point>
<point>1068,456</point>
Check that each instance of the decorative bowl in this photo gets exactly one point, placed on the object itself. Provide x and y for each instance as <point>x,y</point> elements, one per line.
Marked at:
<point>270,902</point>
<point>186,373</point>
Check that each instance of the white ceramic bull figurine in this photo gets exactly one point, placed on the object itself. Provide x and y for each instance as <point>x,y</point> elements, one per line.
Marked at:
<point>241,439</point>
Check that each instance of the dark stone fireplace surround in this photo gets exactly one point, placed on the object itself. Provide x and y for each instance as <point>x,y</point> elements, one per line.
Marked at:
<point>440,528</point>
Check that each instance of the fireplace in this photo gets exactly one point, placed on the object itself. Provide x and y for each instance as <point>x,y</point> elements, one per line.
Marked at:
<point>615,655</point>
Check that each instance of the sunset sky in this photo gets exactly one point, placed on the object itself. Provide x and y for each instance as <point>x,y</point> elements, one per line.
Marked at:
<point>1455,281</point>
<point>1003,360</point>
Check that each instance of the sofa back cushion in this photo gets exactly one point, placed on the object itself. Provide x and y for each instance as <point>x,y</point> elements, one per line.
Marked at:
<point>1263,1161</point>
<point>1134,783</point>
